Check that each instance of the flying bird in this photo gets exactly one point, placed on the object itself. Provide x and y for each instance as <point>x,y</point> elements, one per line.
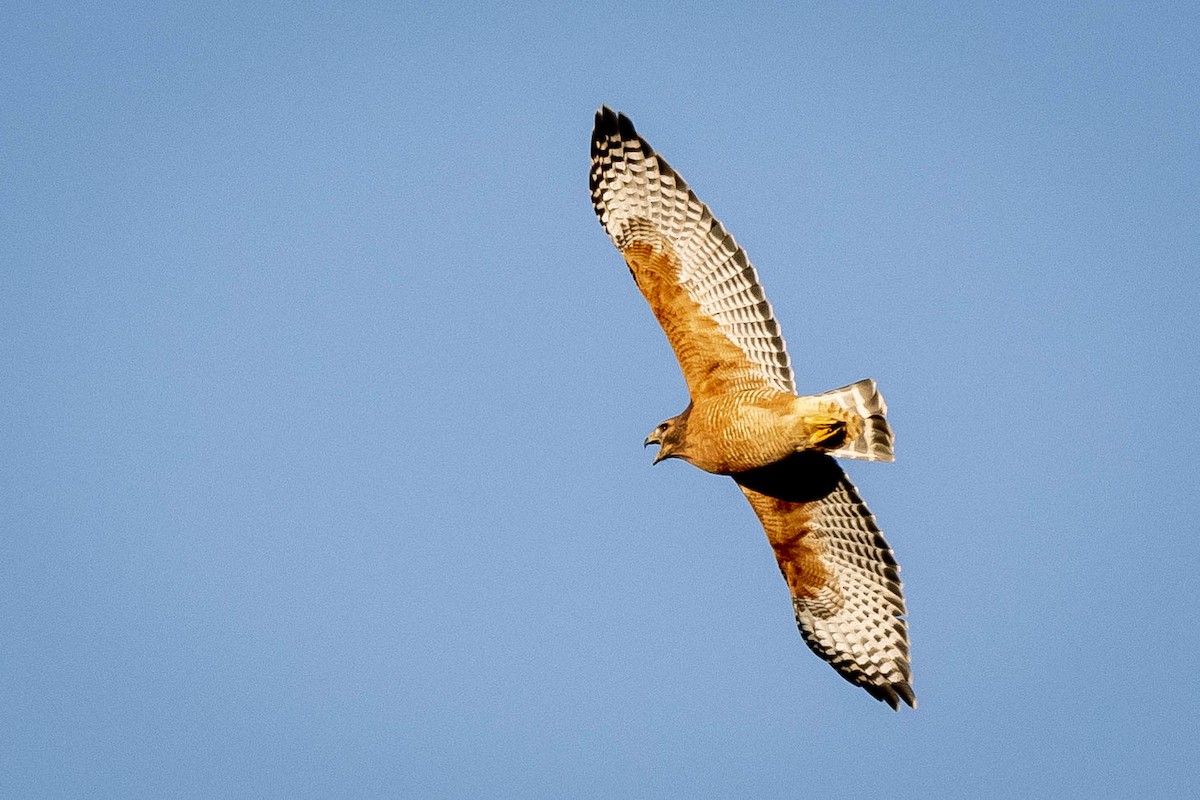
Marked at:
<point>745,419</point>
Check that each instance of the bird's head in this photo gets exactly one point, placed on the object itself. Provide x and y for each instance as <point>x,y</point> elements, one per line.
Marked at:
<point>669,438</point>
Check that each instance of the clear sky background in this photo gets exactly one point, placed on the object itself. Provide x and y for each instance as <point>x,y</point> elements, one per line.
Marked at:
<point>323,395</point>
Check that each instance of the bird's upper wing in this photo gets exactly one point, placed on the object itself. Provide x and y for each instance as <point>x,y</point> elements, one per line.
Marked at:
<point>844,581</point>
<point>703,290</point>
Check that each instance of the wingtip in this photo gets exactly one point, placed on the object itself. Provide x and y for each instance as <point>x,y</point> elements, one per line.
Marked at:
<point>612,124</point>
<point>607,122</point>
<point>892,694</point>
<point>625,128</point>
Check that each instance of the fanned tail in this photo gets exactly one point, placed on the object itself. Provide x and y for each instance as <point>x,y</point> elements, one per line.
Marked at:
<point>875,441</point>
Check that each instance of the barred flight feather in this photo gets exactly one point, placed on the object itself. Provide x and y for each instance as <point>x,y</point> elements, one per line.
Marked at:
<point>639,197</point>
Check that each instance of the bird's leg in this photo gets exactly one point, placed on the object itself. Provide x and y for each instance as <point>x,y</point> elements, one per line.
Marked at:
<point>824,433</point>
<point>831,428</point>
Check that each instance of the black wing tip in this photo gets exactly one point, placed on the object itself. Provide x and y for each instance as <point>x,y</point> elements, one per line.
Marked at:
<point>606,121</point>
<point>626,129</point>
<point>612,124</point>
<point>615,125</point>
<point>892,693</point>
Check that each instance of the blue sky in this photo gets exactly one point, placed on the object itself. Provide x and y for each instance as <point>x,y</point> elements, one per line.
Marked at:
<point>324,395</point>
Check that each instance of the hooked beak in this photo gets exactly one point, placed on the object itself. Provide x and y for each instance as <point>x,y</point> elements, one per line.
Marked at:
<point>655,438</point>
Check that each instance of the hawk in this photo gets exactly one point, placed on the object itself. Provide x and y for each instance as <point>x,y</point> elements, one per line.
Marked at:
<point>745,419</point>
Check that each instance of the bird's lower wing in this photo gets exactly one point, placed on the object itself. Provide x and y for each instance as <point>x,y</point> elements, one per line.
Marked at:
<point>844,581</point>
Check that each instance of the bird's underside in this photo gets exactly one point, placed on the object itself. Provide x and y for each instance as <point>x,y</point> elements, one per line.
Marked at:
<point>745,419</point>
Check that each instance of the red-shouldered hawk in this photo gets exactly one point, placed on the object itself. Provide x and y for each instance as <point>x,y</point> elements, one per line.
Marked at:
<point>745,419</point>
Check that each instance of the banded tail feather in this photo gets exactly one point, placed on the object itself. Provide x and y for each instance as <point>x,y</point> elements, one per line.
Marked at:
<point>865,400</point>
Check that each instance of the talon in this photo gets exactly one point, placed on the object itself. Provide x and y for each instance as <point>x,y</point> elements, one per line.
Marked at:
<point>828,433</point>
